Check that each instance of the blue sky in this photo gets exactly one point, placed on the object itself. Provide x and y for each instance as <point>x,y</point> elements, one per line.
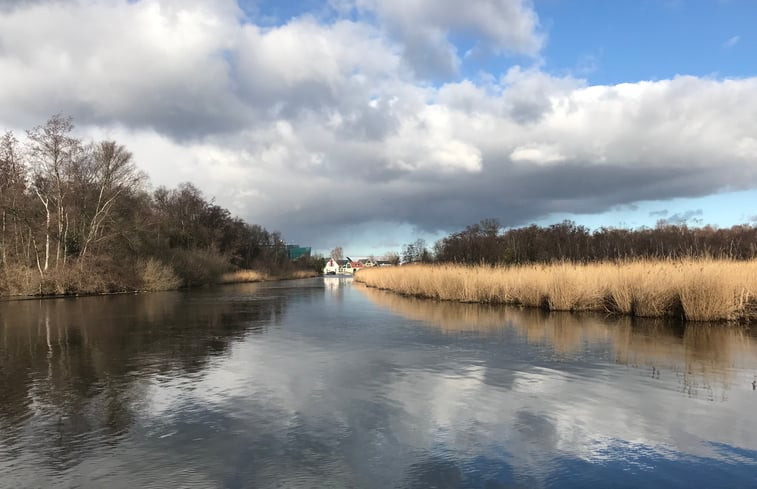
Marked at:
<point>367,124</point>
<point>650,39</point>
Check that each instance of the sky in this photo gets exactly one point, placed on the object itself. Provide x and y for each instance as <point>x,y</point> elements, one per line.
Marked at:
<point>368,124</point>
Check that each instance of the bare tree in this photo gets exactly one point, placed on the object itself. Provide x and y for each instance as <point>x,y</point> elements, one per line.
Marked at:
<point>53,151</point>
<point>416,252</point>
<point>110,172</point>
<point>392,257</point>
<point>337,253</point>
<point>12,183</point>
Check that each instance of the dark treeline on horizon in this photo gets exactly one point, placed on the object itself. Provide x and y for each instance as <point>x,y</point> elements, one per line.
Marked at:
<point>567,241</point>
<point>78,217</point>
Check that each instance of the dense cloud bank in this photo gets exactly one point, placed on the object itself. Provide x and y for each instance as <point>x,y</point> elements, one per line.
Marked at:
<point>360,114</point>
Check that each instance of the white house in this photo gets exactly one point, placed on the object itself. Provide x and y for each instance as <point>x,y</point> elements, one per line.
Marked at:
<point>331,268</point>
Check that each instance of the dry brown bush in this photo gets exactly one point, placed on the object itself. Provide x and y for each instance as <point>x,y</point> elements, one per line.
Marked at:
<point>18,280</point>
<point>156,275</point>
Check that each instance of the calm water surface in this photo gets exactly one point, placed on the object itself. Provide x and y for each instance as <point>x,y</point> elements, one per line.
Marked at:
<point>323,383</point>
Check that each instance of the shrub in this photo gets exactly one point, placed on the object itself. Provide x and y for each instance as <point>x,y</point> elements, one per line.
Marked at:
<point>19,280</point>
<point>199,266</point>
<point>156,275</point>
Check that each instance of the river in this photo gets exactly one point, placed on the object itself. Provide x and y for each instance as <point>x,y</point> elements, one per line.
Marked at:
<point>324,383</point>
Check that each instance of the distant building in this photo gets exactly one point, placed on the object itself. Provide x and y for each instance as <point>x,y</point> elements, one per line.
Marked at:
<point>342,267</point>
<point>368,263</point>
<point>331,268</point>
<point>352,266</point>
<point>296,251</point>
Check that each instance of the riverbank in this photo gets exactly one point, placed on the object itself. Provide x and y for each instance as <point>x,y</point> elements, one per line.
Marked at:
<point>694,290</point>
<point>155,279</point>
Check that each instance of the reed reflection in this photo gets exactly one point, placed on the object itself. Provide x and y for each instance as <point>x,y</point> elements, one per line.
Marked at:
<point>699,354</point>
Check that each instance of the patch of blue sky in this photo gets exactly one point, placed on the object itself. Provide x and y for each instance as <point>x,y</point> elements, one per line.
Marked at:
<point>277,12</point>
<point>376,238</point>
<point>721,210</point>
<point>615,42</point>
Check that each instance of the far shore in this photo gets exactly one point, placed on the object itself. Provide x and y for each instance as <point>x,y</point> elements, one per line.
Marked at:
<point>238,277</point>
<point>251,276</point>
<point>691,289</point>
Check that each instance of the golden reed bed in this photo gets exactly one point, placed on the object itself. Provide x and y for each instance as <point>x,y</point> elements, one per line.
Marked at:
<point>244,276</point>
<point>696,290</point>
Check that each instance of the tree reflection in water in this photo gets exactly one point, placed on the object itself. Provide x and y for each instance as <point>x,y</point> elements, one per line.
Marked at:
<point>79,366</point>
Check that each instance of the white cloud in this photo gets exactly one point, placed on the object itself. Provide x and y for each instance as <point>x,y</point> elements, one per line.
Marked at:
<point>429,142</point>
<point>424,26</point>
<point>146,63</point>
<point>304,56</point>
<point>537,153</point>
<point>732,41</point>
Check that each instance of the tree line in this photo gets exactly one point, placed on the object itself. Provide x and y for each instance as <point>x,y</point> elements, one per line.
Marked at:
<point>485,242</point>
<point>77,216</point>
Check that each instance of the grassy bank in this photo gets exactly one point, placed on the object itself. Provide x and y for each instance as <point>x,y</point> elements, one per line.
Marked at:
<point>696,290</point>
